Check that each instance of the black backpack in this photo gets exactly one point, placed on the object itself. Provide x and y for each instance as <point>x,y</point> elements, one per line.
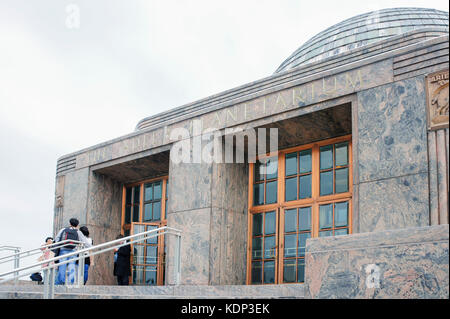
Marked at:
<point>36,277</point>
<point>69,234</point>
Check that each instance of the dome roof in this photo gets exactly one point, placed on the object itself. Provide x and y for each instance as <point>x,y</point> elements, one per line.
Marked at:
<point>364,29</point>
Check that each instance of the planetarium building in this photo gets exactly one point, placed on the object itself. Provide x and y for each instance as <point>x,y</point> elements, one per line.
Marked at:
<point>341,190</point>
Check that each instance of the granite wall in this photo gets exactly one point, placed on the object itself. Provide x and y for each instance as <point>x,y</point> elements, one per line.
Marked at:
<point>405,263</point>
<point>104,209</point>
<point>392,162</point>
<point>96,201</point>
<point>207,202</point>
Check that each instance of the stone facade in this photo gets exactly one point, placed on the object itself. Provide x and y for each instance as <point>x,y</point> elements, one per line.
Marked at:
<point>404,263</point>
<point>400,174</point>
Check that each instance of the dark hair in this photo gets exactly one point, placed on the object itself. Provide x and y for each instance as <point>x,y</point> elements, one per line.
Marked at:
<point>74,222</point>
<point>48,239</point>
<point>85,231</point>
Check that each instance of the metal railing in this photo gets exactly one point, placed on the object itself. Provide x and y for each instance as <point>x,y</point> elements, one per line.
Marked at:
<point>15,256</point>
<point>18,255</point>
<point>81,253</point>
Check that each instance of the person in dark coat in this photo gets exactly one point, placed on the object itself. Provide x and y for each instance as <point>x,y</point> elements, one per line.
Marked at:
<point>122,264</point>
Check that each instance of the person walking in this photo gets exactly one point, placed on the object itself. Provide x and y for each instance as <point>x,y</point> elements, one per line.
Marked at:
<point>69,233</point>
<point>88,261</point>
<point>122,264</point>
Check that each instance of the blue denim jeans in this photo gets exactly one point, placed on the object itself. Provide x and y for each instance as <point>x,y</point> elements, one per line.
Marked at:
<point>71,267</point>
<point>86,270</point>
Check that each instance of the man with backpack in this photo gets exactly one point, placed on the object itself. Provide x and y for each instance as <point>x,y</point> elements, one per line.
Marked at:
<point>69,233</point>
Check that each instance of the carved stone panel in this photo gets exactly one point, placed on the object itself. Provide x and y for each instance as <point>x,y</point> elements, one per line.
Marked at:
<point>437,100</point>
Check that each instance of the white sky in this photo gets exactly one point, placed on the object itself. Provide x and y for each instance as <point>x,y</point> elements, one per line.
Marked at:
<point>63,89</point>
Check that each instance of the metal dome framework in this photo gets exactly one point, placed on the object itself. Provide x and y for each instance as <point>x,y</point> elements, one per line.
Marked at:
<point>362,30</point>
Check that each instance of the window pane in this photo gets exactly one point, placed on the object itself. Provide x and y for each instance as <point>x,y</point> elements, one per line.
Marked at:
<point>305,161</point>
<point>289,270</point>
<point>148,192</point>
<point>341,214</point>
<point>304,218</point>
<point>326,216</point>
<point>272,168</point>
<point>128,195</point>
<point>136,213</point>
<point>269,272</point>
<point>257,248</point>
<point>290,220</point>
<point>342,180</point>
<point>258,194</point>
<point>256,272</point>
<point>138,274</point>
<point>291,189</point>
<point>326,183</point>
<point>138,254</point>
<point>157,192</point>
<point>302,243</point>
<point>139,229</point>
<point>290,245</point>
<point>291,164</point>
<point>269,247</point>
<point>305,186</point>
<point>259,171</point>
<point>270,223</point>
<point>148,215</point>
<point>271,192</point>
<point>341,154</point>
<point>136,198</point>
<point>326,233</point>
<point>326,157</point>
<point>150,275</point>
<point>128,214</point>
<point>153,240</point>
<point>157,210</point>
<point>301,270</point>
<point>257,224</point>
<point>152,255</point>
<point>338,232</point>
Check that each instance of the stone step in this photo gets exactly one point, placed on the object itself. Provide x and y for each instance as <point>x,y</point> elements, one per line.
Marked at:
<point>293,291</point>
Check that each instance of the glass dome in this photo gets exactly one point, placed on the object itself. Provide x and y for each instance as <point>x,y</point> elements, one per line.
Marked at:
<point>362,30</point>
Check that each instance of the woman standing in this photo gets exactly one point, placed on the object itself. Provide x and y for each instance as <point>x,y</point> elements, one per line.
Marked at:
<point>122,265</point>
<point>88,261</point>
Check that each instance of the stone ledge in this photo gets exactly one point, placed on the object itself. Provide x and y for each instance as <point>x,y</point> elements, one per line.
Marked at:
<point>419,235</point>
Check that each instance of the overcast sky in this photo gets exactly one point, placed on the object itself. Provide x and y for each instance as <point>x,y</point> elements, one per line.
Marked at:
<point>66,86</point>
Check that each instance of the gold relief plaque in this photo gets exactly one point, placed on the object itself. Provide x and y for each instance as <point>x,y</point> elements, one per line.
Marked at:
<point>437,100</point>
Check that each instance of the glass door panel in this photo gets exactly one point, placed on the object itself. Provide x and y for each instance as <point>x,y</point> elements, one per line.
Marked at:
<point>264,248</point>
<point>146,262</point>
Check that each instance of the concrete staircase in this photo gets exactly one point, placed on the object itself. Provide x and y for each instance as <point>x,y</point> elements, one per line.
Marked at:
<point>31,290</point>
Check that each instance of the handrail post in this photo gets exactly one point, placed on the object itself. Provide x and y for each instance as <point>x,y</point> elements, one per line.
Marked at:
<point>177,259</point>
<point>46,284</point>
<point>81,270</point>
<point>16,264</point>
<point>52,282</point>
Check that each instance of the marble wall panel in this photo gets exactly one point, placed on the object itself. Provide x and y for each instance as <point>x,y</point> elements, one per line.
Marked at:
<point>75,196</point>
<point>189,186</point>
<point>394,203</point>
<point>406,263</point>
<point>103,220</point>
<point>195,246</point>
<point>228,247</point>
<point>392,139</point>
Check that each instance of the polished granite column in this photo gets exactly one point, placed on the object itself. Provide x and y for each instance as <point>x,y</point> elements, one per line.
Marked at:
<point>207,202</point>
<point>392,157</point>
